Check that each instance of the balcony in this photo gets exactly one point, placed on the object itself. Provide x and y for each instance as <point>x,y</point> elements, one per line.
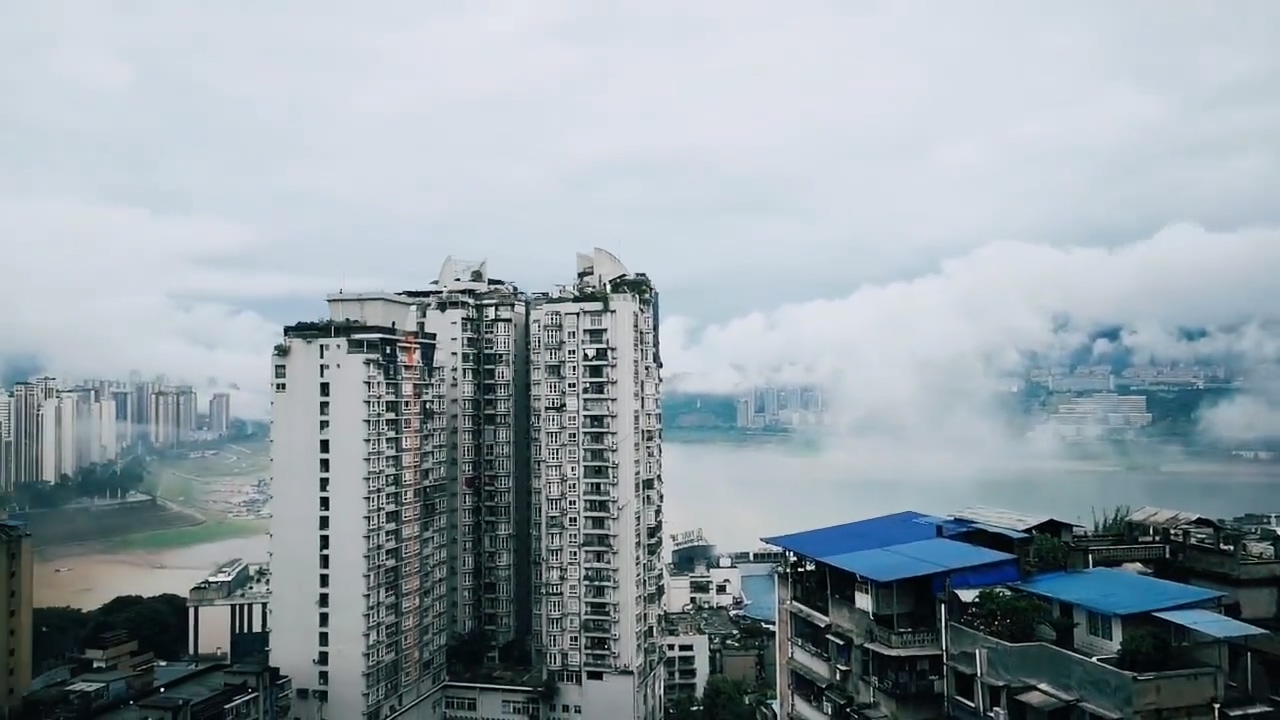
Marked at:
<point>1113,691</point>
<point>806,709</point>
<point>810,662</point>
<point>908,639</point>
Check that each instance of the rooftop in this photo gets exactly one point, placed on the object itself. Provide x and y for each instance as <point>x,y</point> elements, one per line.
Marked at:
<point>916,559</point>
<point>1172,519</point>
<point>870,534</point>
<point>1116,592</point>
<point>1210,623</point>
<point>1008,519</point>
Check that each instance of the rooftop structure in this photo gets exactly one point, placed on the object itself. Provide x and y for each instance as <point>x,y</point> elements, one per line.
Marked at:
<point>1014,520</point>
<point>1082,661</point>
<point>858,623</point>
<point>1116,592</point>
<point>242,588</point>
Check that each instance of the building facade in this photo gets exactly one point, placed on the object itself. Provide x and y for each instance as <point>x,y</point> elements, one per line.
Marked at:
<point>540,520</point>
<point>359,613</point>
<point>597,490</point>
<point>16,578</point>
<point>859,617</point>
<point>481,329</point>
<point>220,414</point>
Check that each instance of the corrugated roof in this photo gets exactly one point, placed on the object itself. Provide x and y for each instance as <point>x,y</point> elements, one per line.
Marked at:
<point>869,534</point>
<point>917,559</point>
<point>1115,592</point>
<point>955,526</point>
<point>1172,519</point>
<point>1002,518</point>
<point>1210,623</point>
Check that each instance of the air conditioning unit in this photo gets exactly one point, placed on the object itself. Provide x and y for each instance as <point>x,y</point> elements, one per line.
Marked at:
<point>999,714</point>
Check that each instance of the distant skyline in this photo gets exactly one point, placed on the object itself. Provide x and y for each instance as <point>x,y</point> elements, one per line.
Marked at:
<point>882,192</point>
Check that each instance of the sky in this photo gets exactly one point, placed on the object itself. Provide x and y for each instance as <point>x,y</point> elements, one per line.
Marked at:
<point>892,196</point>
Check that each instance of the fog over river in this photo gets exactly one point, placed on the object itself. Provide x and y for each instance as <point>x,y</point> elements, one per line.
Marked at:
<point>738,493</point>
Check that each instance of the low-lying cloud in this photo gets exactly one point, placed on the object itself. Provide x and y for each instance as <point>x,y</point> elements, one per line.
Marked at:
<point>917,371</point>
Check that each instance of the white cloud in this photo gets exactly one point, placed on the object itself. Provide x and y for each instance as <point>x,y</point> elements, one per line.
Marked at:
<point>160,170</point>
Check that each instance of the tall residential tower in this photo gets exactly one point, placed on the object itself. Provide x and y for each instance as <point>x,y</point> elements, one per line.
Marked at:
<point>597,477</point>
<point>359,615</point>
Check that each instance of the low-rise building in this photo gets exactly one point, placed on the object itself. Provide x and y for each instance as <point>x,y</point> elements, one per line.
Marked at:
<point>243,691</point>
<point>1076,666</point>
<point>715,641</point>
<point>859,612</point>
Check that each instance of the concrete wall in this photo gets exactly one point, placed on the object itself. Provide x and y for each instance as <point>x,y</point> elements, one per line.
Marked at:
<point>1108,688</point>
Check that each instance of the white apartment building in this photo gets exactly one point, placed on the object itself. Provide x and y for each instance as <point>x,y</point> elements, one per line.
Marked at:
<point>77,427</point>
<point>481,329</point>
<point>597,490</point>
<point>25,417</point>
<point>220,414</point>
<point>359,613</point>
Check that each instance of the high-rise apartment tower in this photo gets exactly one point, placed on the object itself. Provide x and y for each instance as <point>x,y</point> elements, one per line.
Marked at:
<point>597,476</point>
<point>359,611</point>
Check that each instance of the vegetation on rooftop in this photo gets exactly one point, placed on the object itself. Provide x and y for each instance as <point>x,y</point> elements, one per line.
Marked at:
<point>1145,649</point>
<point>1048,554</point>
<point>1011,617</point>
<point>1110,521</point>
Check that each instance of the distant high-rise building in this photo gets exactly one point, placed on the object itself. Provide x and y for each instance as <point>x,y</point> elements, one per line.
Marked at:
<point>360,612</point>
<point>6,441</point>
<point>163,413</point>
<point>27,399</point>
<point>220,414</point>
<point>16,626</point>
<point>126,422</point>
<point>597,477</point>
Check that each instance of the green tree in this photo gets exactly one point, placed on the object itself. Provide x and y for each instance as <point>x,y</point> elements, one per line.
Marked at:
<point>158,623</point>
<point>1048,553</point>
<point>725,699</point>
<point>685,707</point>
<point>1145,650</point>
<point>1111,521</point>
<point>1007,616</point>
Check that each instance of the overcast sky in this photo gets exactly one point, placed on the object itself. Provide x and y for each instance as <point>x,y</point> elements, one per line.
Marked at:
<point>177,179</point>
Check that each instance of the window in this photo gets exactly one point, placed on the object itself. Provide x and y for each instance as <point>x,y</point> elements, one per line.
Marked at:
<point>1099,626</point>
<point>280,372</point>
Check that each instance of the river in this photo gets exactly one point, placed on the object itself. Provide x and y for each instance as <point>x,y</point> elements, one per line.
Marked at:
<point>740,493</point>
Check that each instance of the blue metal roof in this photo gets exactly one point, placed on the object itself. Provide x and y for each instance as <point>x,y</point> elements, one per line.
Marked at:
<point>956,526</point>
<point>917,559</point>
<point>1115,592</point>
<point>870,534</point>
<point>1210,623</point>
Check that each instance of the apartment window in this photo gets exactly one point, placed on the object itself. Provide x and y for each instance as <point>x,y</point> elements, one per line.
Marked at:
<point>322,677</point>
<point>324,389</point>
<point>280,372</point>
<point>324,619</point>
<point>324,465</point>
<point>324,523</point>
<point>324,562</point>
<point>1099,626</point>
<point>324,447</point>
<point>324,407</point>
<point>323,640</point>
<point>324,503</point>
<point>324,484</point>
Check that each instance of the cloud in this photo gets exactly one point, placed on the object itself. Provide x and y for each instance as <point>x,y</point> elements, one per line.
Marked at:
<point>924,361</point>
<point>169,177</point>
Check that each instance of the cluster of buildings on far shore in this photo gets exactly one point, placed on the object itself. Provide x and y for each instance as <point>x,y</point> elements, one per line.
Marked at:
<point>49,428</point>
<point>1104,378</point>
<point>780,407</point>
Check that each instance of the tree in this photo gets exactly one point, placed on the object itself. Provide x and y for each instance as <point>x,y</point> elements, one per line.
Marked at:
<point>1112,521</point>
<point>685,707</point>
<point>1145,650</point>
<point>725,699</point>
<point>1007,616</point>
<point>158,623</point>
<point>1048,553</point>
